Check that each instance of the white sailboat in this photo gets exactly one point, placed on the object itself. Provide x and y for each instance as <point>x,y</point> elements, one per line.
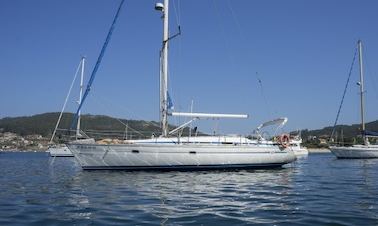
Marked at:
<point>358,151</point>
<point>297,148</point>
<point>62,150</point>
<point>171,151</point>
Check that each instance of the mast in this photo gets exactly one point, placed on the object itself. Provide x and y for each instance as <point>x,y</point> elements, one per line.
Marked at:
<point>164,70</point>
<point>362,91</point>
<point>80,96</point>
<point>65,102</point>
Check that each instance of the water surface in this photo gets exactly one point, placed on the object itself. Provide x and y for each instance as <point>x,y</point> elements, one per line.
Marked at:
<point>319,190</point>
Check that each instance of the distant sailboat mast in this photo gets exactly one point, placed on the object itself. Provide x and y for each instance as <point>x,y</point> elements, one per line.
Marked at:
<point>359,151</point>
<point>362,91</point>
<point>81,65</point>
<point>80,96</point>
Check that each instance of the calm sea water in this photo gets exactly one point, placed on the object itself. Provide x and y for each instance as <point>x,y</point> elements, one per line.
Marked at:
<point>318,190</point>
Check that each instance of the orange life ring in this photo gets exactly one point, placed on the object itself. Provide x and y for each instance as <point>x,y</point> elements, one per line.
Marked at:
<point>284,140</point>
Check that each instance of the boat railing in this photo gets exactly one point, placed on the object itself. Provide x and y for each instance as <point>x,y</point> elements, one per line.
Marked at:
<point>69,135</point>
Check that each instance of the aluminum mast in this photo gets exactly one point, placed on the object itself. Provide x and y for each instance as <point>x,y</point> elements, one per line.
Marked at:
<point>164,75</point>
<point>80,96</point>
<point>362,91</point>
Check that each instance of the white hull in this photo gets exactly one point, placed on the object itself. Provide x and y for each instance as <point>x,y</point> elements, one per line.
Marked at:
<point>179,156</point>
<point>62,151</point>
<point>356,151</point>
<point>301,151</point>
<point>295,146</point>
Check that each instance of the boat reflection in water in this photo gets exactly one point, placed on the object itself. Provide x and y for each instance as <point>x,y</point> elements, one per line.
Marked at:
<point>181,197</point>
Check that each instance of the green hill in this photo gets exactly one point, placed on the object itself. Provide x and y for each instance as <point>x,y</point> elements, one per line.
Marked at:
<point>104,126</point>
<point>44,124</point>
<point>348,130</point>
<point>349,134</point>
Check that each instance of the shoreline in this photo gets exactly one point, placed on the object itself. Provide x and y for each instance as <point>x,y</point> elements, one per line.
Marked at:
<point>318,150</point>
<point>23,150</point>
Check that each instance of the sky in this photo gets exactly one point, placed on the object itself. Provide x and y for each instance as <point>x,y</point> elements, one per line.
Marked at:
<point>264,58</point>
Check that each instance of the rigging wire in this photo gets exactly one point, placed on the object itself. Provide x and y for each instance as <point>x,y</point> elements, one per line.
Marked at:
<point>236,21</point>
<point>172,91</point>
<point>368,73</point>
<point>263,94</point>
<point>65,102</point>
<point>177,12</point>
<point>226,42</point>
<point>243,37</point>
<point>344,92</point>
<point>98,98</point>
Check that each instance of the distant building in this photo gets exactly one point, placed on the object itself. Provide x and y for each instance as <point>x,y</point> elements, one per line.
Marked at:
<point>34,137</point>
<point>322,141</point>
<point>8,136</point>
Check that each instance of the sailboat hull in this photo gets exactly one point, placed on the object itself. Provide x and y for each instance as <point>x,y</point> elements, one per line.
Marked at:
<point>355,152</point>
<point>61,151</point>
<point>301,151</point>
<point>179,156</point>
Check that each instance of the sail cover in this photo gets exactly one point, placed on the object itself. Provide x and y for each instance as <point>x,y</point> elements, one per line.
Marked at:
<point>370,133</point>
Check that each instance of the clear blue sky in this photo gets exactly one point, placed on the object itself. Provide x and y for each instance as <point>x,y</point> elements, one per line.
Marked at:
<point>302,51</point>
